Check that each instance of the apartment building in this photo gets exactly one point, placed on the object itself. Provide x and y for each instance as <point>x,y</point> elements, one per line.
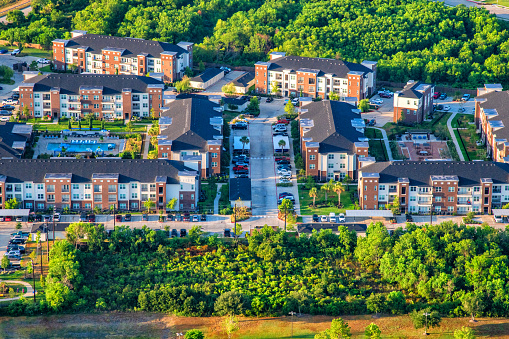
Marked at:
<point>438,186</point>
<point>104,54</point>
<point>315,77</point>
<point>80,184</point>
<point>14,138</point>
<point>105,96</point>
<point>413,103</point>
<point>191,130</point>
<point>491,119</point>
<point>332,140</point>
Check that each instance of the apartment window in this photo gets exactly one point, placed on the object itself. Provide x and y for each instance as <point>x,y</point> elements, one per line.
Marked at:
<point>96,97</point>
<point>451,189</point>
<point>66,198</point>
<point>85,97</point>
<point>112,188</point>
<point>312,166</point>
<point>96,105</point>
<point>88,206</point>
<point>330,165</point>
<point>486,190</point>
<point>51,197</point>
<point>413,198</point>
<point>214,155</point>
<point>438,199</point>
<point>144,187</point>
<point>87,186</point>
<point>112,197</point>
<point>97,188</point>
<point>50,188</point>
<point>450,199</point>
<point>477,189</point>
<point>98,197</point>
<point>181,196</point>
<point>165,155</point>
<point>115,58</point>
<point>342,165</point>
<point>122,196</point>
<point>40,206</point>
<point>88,196</point>
<point>438,189</point>
<point>145,96</point>
<point>331,156</point>
<point>75,206</point>
<point>75,196</point>
<point>450,208</point>
<point>382,187</point>
<point>85,105</point>
<point>28,196</point>
<point>75,186</point>
<point>118,97</point>
<point>65,188</point>
<point>40,186</point>
<point>312,157</point>
<point>134,196</point>
<point>40,196</point>
<point>134,186</point>
<point>476,199</point>
<point>28,186</point>
<point>121,186</point>
<point>214,164</point>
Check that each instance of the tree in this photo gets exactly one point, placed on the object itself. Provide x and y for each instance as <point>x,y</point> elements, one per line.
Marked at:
<point>194,334</point>
<point>230,325</point>
<point>231,303</point>
<point>5,262</point>
<point>79,124</point>
<point>154,114</point>
<point>18,226</point>
<point>464,333</point>
<point>339,330</point>
<point>229,88</point>
<point>327,188</point>
<point>129,127</point>
<point>396,206</point>
<point>15,17</point>
<point>11,204</point>
<point>281,144</point>
<point>290,108</point>
<point>188,72</point>
<point>254,106</point>
<point>102,125</point>
<point>170,205</point>
<point>69,125</point>
<point>313,193</point>
<point>237,230</point>
<point>6,73</point>
<point>274,88</point>
<point>338,188</point>
<point>372,331</point>
<point>90,123</point>
<point>285,206</point>
<point>347,180</point>
<point>153,131</point>
<point>299,299</point>
<point>364,105</point>
<point>333,96</point>
<point>201,66</point>
<point>375,303</point>
<point>149,204</point>
<point>471,304</point>
<point>244,140</point>
<point>396,302</point>
<point>420,320</point>
<point>183,85</point>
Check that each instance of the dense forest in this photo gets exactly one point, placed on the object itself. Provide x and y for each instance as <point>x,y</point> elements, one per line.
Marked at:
<point>454,269</point>
<point>420,40</point>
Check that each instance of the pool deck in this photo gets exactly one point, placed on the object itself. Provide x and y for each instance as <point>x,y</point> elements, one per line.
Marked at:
<point>42,144</point>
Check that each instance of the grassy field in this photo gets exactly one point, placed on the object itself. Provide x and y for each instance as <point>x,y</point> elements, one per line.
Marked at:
<point>115,126</point>
<point>373,133</point>
<point>151,325</point>
<point>462,120</point>
<point>305,201</point>
<point>377,149</point>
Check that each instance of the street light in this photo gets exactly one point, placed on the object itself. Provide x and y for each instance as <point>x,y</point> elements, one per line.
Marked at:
<point>426,314</point>
<point>33,275</point>
<point>292,313</point>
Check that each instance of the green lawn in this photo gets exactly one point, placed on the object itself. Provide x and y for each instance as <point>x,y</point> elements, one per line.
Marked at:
<point>462,120</point>
<point>439,121</point>
<point>373,133</point>
<point>115,126</point>
<point>377,149</point>
<point>38,53</point>
<point>229,116</point>
<point>463,151</point>
<point>471,147</point>
<point>305,201</point>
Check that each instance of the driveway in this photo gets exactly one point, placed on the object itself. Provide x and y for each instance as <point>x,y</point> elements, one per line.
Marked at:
<point>383,114</point>
<point>9,60</point>
<point>216,88</point>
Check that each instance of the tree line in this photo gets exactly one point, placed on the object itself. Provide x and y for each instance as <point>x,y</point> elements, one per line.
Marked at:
<point>421,40</point>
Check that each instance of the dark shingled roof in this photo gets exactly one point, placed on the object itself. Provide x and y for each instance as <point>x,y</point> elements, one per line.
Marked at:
<point>190,127</point>
<point>410,90</point>
<point>207,75</point>
<point>112,84</point>
<point>332,126</point>
<point>498,100</point>
<point>244,79</point>
<point>7,138</point>
<point>20,170</point>
<point>419,172</point>
<point>338,68</point>
<point>240,188</point>
<point>132,46</point>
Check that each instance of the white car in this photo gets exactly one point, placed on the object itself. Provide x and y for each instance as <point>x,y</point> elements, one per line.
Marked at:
<point>284,180</point>
<point>341,217</point>
<point>11,253</point>
<point>10,102</point>
<point>56,217</point>
<point>446,108</point>
<point>376,102</point>
<point>15,52</point>
<point>4,119</point>
<point>42,61</point>
<point>323,218</point>
<point>284,172</point>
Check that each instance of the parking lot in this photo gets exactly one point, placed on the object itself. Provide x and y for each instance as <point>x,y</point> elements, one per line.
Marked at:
<point>217,87</point>
<point>9,60</point>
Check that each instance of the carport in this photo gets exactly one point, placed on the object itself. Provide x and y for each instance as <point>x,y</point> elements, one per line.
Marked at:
<point>500,214</point>
<point>18,212</point>
<point>369,214</point>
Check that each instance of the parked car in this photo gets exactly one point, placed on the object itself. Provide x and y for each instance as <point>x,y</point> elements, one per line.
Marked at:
<point>465,97</point>
<point>196,218</point>
<point>242,175</point>
<point>12,252</point>
<point>170,217</point>
<point>269,99</point>
<point>283,162</point>
<point>19,219</point>
<point>443,96</point>
<point>284,134</point>
<point>341,217</point>
<point>91,218</point>
<point>239,125</point>
<point>127,217</point>
<point>315,218</point>
<point>7,219</point>
<point>83,217</point>
<point>498,218</point>
<point>284,195</point>
<point>393,220</point>
<point>15,52</point>
<point>47,218</point>
<point>227,233</point>
<point>174,233</point>
<point>332,217</point>
<point>408,217</point>
<point>324,218</point>
<point>15,96</point>
<point>144,217</point>
<point>17,241</point>
<point>446,108</point>
<point>43,61</point>
<point>38,218</point>
<point>240,158</point>
<point>14,257</point>
<point>280,158</point>
<point>7,108</point>
<point>5,113</point>
<point>385,95</point>
<point>5,119</point>
<point>376,101</point>
<point>461,109</point>
<point>3,51</point>
<point>436,95</point>
<point>203,217</point>
<point>56,216</point>
<point>183,232</point>
<point>372,122</point>
<point>10,101</point>
<point>440,107</point>
<point>118,218</point>
<point>283,121</point>
<point>19,248</point>
<point>187,217</point>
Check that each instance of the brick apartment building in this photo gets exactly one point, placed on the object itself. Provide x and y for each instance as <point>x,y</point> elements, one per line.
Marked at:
<point>332,140</point>
<point>315,77</point>
<point>104,54</point>
<point>413,103</point>
<point>84,184</point>
<point>491,119</point>
<point>105,96</point>
<point>191,130</point>
<point>441,186</point>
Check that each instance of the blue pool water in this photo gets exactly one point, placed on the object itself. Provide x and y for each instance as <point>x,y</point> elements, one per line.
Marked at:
<point>99,146</point>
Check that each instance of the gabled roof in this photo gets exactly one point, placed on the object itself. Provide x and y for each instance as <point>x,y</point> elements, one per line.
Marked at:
<point>130,47</point>
<point>321,66</point>
<point>332,126</point>
<point>244,79</point>
<point>419,173</point>
<point>110,84</point>
<point>413,89</point>
<point>20,170</point>
<point>190,126</point>
<point>13,138</point>
<point>207,75</point>
<point>499,101</point>
<point>240,188</point>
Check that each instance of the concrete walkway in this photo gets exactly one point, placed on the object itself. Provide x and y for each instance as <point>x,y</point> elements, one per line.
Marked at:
<point>216,200</point>
<point>30,290</point>
<point>386,142</point>
<point>453,137</point>
<point>146,146</point>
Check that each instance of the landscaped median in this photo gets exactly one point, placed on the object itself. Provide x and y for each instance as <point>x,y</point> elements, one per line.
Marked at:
<point>321,205</point>
<point>112,126</point>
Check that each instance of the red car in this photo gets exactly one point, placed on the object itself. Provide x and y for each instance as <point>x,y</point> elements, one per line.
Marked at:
<point>281,158</point>
<point>283,121</point>
<point>240,168</point>
<point>436,95</point>
<point>385,95</point>
<point>8,219</point>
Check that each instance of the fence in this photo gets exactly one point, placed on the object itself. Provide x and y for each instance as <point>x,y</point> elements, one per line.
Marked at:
<point>446,89</point>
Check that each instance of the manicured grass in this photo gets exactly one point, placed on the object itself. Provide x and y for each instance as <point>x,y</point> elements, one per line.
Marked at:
<point>463,151</point>
<point>462,120</point>
<point>373,133</point>
<point>377,149</point>
<point>46,68</point>
<point>471,147</point>
<point>439,120</point>
<point>7,81</point>
<point>305,201</point>
<point>115,126</point>
<point>229,115</point>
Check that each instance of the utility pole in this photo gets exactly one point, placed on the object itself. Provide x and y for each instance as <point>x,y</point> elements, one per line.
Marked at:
<point>426,314</point>
<point>292,313</point>
<point>53,226</point>
<point>47,241</point>
<point>41,259</point>
<point>285,216</point>
<point>235,219</point>
<point>113,216</point>
<point>33,276</point>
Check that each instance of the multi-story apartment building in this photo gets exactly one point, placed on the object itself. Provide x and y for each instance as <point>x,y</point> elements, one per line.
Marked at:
<point>438,186</point>
<point>413,103</point>
<point>14,138</point>
<point>491,118</point>
<point>105,96</point>
<point>315,77</point>
<point>332,140</point>
<point>104,54</point>
<point>191,130</point>
<point>98,183</point>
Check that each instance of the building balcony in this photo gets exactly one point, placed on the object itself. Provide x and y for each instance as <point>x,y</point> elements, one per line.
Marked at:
<point>464,202</point>
<point>393,190</point>
<point>424,202</point>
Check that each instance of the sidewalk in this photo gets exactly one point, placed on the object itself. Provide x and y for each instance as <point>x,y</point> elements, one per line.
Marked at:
<point>30,290</point>
<point>453,137</point>
<point>216,200</point>
<point>386,142</point>
<point>146,145</point>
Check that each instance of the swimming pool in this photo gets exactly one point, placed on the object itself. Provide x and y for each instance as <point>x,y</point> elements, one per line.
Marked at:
<point>77,148</point>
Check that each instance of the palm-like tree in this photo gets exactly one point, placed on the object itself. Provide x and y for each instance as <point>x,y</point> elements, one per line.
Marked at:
<point>282,144</point>
<point>338,188</point>
<point>244,140</point>
<point>313,193</point>
<point>327,187</point>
